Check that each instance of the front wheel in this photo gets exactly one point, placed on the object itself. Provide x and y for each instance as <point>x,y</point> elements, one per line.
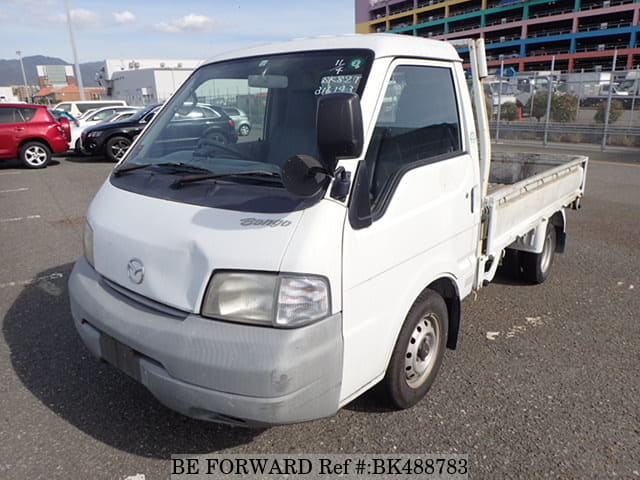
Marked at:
<point>77,149</point>
<point>116,147</point>
<point>418,352</point>
<point>536,267</point>
<point>35,155</point>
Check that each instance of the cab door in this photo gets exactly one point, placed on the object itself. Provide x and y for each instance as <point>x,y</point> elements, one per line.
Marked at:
<point>422,182</point>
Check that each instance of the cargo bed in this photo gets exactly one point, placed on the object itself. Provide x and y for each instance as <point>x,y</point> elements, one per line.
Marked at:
<point>524,191</point>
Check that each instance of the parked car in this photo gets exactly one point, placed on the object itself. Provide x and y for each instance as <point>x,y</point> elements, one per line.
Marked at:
<point>103,113</point>
<point>87,113</point>
<point>82,106</point>
<point>114,139</point>
<point>187,126</point>
<point>95,117</point>
<point>241,119</point>
<point>31,133</point>
<point>119,116</point>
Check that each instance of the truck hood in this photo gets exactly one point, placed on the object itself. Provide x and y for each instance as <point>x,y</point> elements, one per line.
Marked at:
<point>179,245</point>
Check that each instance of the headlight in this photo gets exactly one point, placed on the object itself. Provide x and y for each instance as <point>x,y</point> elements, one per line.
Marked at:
<point>87,241</point>
<point>284,300</point>
<point>94,134</point>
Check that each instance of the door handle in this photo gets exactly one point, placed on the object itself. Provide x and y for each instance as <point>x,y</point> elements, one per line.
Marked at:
<point>472,195</point>
<point>19,129</point>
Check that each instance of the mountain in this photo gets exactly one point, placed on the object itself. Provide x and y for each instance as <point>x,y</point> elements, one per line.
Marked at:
<point>10,73</point>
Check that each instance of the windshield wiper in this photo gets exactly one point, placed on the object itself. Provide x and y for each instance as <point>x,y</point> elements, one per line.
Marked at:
<point>207,176</point>
<point>207,148</point>
<point>175,165</point>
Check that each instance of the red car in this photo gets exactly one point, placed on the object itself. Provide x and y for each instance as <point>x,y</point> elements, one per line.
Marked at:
<point>32,134</point>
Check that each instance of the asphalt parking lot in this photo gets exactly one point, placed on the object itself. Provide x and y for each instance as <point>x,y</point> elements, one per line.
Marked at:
<point>545,382</point>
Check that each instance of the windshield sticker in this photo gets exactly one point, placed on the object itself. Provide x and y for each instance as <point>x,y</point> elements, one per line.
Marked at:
<point>338,84</point>
<point>338,68</point>
<point>356,63</point>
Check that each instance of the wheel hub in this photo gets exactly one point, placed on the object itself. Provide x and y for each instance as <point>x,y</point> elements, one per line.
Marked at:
<point>546,254</point>
<point>421,351</point>
<point>35,155</point>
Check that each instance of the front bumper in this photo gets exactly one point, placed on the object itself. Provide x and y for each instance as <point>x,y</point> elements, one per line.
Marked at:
<point>213,370</point>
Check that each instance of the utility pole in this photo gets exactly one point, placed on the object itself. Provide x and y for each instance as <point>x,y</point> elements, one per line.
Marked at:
<point>24,76</point>
<point>75,53</point>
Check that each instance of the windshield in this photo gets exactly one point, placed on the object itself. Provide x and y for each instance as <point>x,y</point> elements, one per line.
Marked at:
<point>627,85</point>
<point>277,93</point>
<point>137,116</point>
<point>223,139</point>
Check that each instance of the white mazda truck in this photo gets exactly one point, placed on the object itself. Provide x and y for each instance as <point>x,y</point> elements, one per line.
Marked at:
<point>275,279</point>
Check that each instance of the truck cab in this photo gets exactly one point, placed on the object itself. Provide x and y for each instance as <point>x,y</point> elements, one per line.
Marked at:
<point>276,279</point>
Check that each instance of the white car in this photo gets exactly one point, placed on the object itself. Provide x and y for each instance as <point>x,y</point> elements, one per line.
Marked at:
<point>97,116</point>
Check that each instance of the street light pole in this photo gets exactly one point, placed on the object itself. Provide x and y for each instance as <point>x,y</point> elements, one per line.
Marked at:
<point>24,76</point>
<point>75,53</point>
<point>608,107</point>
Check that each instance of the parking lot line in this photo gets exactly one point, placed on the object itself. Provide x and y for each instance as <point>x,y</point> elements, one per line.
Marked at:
<point>20,283</point>
<point>24,189</point>
<point>617,164</point>
<point>10,173</point>
<point>18,219</point>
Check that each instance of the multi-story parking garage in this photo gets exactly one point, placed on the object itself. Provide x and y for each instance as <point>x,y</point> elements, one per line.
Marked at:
<point>526,35</point>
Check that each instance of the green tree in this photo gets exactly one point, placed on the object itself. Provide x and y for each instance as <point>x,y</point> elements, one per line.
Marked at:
<point>614,113</point>
<point>509,111</point>
<point>539,100</point>
<point>564,108</point>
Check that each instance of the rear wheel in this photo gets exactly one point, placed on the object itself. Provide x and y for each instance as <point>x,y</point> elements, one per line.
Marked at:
<point>418,352</point>
<point>116,147</point>
<point>244,130</point>
<point>536,267</point>
<point>35,155</point>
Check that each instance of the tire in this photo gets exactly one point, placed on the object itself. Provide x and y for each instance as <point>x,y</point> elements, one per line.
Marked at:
<point>76,148</point>
<point>217,137</point>
<point>244,130</point>
<point>418,352</point>
<point>116,147</point>
<point>35,155</point>
<point>510,265</point>
<point>537,266</point>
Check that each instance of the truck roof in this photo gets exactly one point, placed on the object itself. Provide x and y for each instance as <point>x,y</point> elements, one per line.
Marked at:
<point>382,44</point>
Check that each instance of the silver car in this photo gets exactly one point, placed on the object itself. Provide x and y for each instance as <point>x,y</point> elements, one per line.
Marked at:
<point>243,125</point>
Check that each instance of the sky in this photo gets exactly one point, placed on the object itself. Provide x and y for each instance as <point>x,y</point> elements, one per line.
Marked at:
<point>162,29</point>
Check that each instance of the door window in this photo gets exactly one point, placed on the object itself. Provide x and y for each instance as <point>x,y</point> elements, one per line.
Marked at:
<point>26,113</point>
<point>102,115</point>
<point>6,115</point>
<point>417,124</point>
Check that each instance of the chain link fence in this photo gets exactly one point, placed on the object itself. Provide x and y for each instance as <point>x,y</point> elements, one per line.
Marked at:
<point>597,107</point>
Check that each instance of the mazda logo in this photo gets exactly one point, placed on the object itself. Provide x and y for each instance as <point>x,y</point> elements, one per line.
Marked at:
<point>136,271</point>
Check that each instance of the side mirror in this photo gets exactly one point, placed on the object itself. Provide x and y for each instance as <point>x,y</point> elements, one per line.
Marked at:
<point>340,135</point>
<point>339,124</point>
<point>304,176</point>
